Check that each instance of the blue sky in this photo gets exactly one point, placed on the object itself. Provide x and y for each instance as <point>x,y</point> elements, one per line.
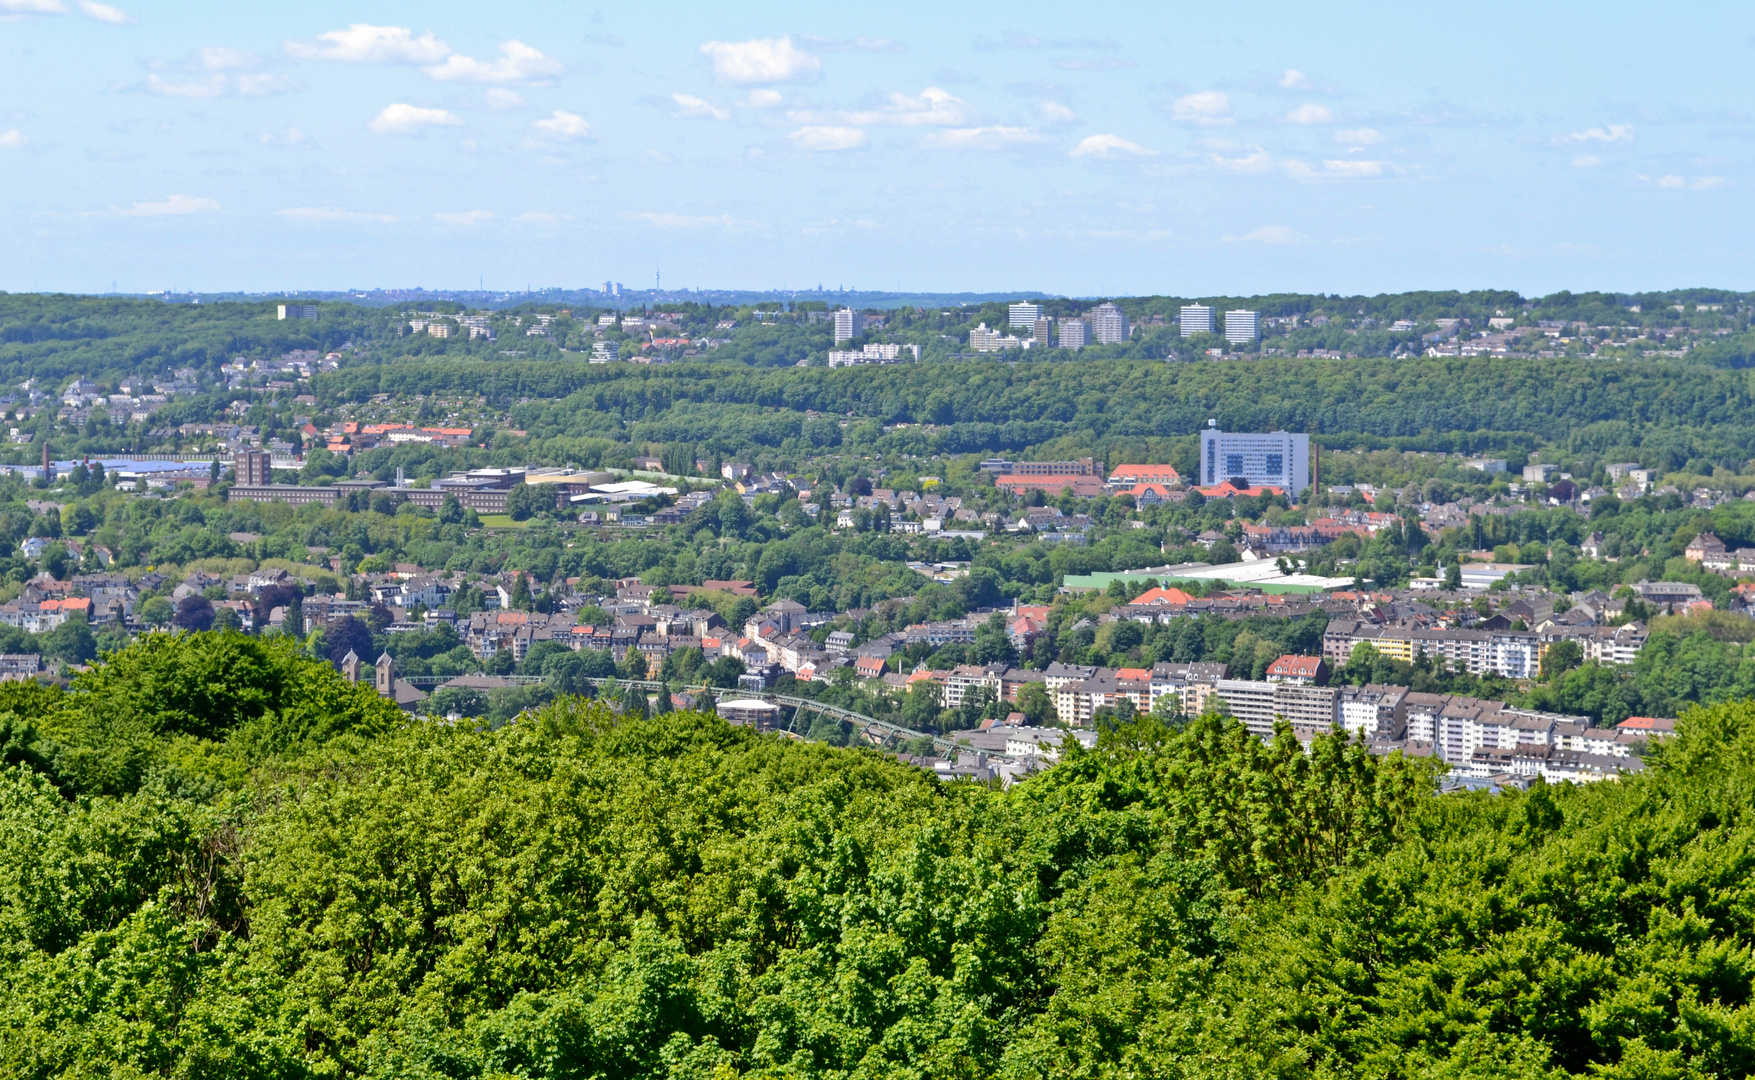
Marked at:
<point>1127,149</point>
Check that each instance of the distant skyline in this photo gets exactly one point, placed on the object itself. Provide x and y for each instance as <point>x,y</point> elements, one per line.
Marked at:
<point>1166,149</point>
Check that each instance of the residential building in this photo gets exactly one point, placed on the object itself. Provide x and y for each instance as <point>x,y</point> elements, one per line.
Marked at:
<point>1300,670</point>
<point>1108,325</point>
<point>251,467</point>
<point>1074,333</point>
<point>1040,330</point>
<point>298,311</point>
<point>1309,709</point>
<point>1024,315</point>
<point>1195,319</point>
<point>872,353</point>
<point>1053,484</point>
<point>981,339</point>
<point>1128,475</point>
<point>1276,459</point>
<point>849,324</point>
<point>1374,710</point>
<point>1539,474</point>
<point>1081,467</point>
<point>1703,547</point>
<point>1242,326</point>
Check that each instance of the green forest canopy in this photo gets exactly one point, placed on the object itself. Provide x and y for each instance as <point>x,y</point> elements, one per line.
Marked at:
<point>226,885</point>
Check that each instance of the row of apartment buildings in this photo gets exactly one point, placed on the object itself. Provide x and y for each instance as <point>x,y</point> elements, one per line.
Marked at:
<point>1514,654</point>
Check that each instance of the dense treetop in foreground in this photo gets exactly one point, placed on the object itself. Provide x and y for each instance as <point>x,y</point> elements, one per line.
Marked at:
<point>218,860</point>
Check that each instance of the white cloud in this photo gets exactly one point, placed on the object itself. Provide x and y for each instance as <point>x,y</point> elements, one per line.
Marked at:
<point>288,137</point>
<point>1294,79</point>
<point>763,60</point>
<point>982,138</point>
<point>689,105</point>
<point>1360,137</point>
<point>226,58</point>
<point>1053,112</point>
<point>563,125</point>
<point>687,221</point>
<point>828,138</point>
<point>862,44</point>
<point>252,84</point>
<point>104,13</point>
<point>12,139</point>
<point>402,119</point>
<point>762,99</point>
<point>1333,170</point>
<point>1614,133</point>
<point>538,217</point>
<point>1310,114</point>
<point>326,214</point>
<point>503,100</point>
<point>1110,146</point>
<point>1256,160</point>
<point>468,217</point>
<point>1586,161</point>
<point>1269,234</point>
<point>518,63</point>
<point>932,107</point>
<point>176,204</point>
<point>1208,107</point>
<point>33,7</point>
<point>362,43</point>
<point>1682,183</point>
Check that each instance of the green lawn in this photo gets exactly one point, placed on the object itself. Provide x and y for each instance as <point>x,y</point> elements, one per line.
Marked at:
<point>503,521</point>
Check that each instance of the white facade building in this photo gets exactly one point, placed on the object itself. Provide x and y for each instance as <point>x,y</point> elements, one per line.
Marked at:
<point>1196,319</point>
<point>1277,459</point>
<point>848,325</point>
<point>1074,334</point>
<point>1108,325</point>
<point>1024,315</point>
<point>1242,326</point>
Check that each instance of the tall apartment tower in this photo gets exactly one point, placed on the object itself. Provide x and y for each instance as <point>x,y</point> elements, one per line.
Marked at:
<point>1025,314</point>
<point>251,468</point>
<point>1074,333</point>
<point>1039,331</point>
<point>1196,319</point>
<point>1242,326</point>
<point>848,325</point>
<point>1108,325</point>
<point>1277,459</point>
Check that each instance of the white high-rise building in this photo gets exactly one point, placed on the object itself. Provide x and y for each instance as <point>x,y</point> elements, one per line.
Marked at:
<point>1025,315</point>
<point>1074,333</point>
<point>1241,326</point>
<point>1108,325</point>
<point>1196,319</point>
<point>848,325</point>
<point>1277,459</point>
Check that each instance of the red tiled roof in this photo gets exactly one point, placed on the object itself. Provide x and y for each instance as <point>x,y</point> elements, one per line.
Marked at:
<point>1304,667</point>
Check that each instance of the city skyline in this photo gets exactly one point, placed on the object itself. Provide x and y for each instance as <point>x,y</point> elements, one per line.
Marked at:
<point>153,146</point>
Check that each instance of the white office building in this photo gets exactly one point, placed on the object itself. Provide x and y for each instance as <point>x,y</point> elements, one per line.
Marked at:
<point>1025,315</point>
<point>1195,319</point>
<point>849,324</point>
<point>1277,459</point>
<point>1242,326</point>
<point>298,311</point>
<point>1074,333</point>
<point>1108,325</point>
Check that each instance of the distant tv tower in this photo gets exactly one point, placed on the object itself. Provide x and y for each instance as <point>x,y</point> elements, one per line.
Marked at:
<point>657,279</point>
